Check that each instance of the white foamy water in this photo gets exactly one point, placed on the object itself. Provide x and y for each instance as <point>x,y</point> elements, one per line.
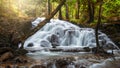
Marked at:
<point>64,34</point>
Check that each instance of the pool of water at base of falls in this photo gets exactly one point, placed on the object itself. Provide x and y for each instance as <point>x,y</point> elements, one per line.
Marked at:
<point>73,60</point>
<point>44,55</point>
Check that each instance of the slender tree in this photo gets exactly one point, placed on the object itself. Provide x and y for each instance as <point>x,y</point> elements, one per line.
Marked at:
<point>97,26</point>
<point>60,17</point>
<point>36,10</point>
<point>49,7</point>
<point>90,11</point>
<point>67,11</point>
<point>77,9</point>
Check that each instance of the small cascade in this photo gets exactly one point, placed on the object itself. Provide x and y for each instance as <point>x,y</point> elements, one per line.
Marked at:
<point>58,33</point>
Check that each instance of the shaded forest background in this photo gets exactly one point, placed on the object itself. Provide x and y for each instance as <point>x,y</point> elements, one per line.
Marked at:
<point>16,16</point>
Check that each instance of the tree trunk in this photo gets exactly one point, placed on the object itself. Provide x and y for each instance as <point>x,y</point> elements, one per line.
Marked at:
<point>36,11</point>
<point>93,11</point>
<point>67,12</point>
<point>97,27</point>
<point>90,11</point>
<point>60,15</point>
<point>49,7</point>
<point>47,19</point>
<point>77,9</point>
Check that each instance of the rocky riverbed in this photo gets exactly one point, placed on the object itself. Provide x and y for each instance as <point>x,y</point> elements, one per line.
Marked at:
<point>65,60</point>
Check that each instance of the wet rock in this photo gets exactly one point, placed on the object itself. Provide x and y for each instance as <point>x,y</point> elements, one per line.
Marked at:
<point>55,49</point>
<point>87,49</point>
<point>61,63</point>
<point>103,42</point>
<point>101,37</point>
<point>32,51</point>
<point>54,45</point>
<point>73,50</point>
<point>38,66</point>
<point>110,46</point>
<point>54,40</point>
<point>98,50</point>
<point>82,63</point>
<point>30,45</point>
<point>6,56</point>
<point>20,59</point>
<point>71,66</point>
<point>50,64</point>
<point>82,67</point>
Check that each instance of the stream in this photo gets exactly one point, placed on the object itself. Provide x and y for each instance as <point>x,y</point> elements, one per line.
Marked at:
<point>64,36</point>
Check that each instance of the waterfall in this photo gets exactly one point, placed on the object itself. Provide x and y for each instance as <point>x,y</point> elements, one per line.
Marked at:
<point>60,33</point>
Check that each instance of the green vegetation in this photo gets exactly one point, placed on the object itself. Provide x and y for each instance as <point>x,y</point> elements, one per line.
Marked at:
<point>80,11</point>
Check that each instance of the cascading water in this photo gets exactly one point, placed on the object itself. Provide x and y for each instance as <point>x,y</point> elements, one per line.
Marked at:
<point>58,33</point>
<point>66,36</point>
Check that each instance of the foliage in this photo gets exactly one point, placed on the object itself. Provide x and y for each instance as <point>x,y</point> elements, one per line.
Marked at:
<point>111,8</point>
<point>38,8</point>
